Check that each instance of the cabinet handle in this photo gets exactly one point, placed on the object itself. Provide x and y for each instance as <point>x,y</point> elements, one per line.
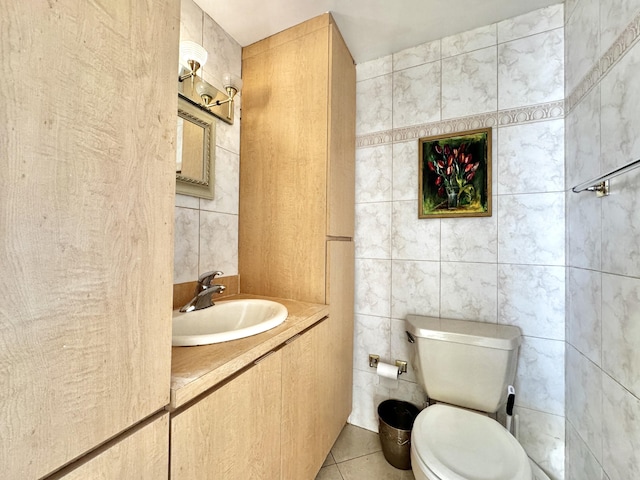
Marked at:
<point>257,361</point>
<point>293,339</point>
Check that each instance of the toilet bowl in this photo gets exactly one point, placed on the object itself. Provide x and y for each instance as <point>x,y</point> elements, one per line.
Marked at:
<point>450,443</point>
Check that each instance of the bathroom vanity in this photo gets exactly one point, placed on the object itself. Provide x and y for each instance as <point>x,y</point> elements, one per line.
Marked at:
<point>262,407</point>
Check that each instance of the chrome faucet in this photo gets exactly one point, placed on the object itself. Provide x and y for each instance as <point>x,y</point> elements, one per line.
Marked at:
<point>204,292</point>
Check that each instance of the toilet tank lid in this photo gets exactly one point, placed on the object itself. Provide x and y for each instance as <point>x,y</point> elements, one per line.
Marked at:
<point>491,335</point>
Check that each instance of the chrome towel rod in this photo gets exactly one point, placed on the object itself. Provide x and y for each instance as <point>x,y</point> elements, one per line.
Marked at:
<point>600,184</point>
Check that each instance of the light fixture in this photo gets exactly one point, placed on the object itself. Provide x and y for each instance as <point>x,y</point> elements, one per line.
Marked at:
<point>192,57</point>
<point>232,84</point>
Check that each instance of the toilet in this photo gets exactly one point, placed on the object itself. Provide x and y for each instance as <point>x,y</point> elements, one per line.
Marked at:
<point>465,368</point>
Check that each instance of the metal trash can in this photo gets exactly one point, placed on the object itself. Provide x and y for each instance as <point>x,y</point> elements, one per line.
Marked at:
<point>396,421</point>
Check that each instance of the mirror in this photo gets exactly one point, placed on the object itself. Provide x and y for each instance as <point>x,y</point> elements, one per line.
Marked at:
<point>195,150</point>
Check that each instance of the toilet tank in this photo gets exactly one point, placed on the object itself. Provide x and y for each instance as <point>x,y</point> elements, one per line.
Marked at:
<point>464,363</point>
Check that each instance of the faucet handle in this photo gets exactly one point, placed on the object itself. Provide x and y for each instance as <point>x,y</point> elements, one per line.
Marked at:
<point>205,279</point>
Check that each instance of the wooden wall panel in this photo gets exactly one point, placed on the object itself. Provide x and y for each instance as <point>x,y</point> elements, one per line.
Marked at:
<point>87,134</point>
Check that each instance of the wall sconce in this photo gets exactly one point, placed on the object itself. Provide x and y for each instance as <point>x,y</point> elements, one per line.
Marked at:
<point>232,84</point>
<point>193,55</point>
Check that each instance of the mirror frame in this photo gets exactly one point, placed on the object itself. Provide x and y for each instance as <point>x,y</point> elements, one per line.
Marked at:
<point>192,112</point>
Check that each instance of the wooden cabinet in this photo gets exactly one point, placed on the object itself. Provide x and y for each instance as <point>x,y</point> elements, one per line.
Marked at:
<point>141,453</point>
<point>233,433</point>
<point>297,159</point>
<point>86,201</point>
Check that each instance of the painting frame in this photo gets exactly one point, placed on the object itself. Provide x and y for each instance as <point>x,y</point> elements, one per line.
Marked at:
<point>454,174</point>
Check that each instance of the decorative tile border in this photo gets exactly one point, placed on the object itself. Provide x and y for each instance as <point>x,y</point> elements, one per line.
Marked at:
<point>516,116</point>
<point>620,47</point>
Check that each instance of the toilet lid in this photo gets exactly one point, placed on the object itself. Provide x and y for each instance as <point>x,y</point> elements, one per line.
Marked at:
<point>457,444</point>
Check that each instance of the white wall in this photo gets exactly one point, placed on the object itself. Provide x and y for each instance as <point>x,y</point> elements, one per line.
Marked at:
<point>603,256</point>
<point>508,268</point>
<point>206,231</point>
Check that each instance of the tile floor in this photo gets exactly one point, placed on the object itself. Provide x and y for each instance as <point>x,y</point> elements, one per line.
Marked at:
<point>357,455</point>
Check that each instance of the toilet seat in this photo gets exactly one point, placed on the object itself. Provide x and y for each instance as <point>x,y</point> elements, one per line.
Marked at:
<point>457,444</point>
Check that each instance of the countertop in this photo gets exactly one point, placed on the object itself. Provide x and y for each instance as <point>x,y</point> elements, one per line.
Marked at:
<point>194,370</point>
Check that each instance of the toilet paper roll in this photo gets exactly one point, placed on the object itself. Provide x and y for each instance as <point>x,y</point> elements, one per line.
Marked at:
<point>388,371</point>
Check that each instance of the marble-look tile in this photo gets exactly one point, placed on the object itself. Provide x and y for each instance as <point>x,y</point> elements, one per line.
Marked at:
<point>413,238</point>
<point>621,330</point>
<point>520,288</point>
<point>569,7</point>
<point>228,136</point>
<point>372,467</point>
<point>584,399</point>
<point>584,230</point>
<point>621,226</point>
<point>418,55</point>
<point>355,442</point>
<point>405,171</point>
<point>469,41</point>
<point>620,95</point>
<point>185,256</point>
<point>401,349</point>
<point>367,395</point>
<point>580,464</point>
<point>468,291</point>
<point>225,54</point>
<point>416,288</point>
<point>621,435</point>
<point>374,174</point>
<point>540,376</point>
<point>615,16</point>
<point>329,460</point>
<point>227,184</point>
<point>416,95</point>
<point>371,336</point>
<point>373,287</point>
<point>531,70</point>
<point>373,230</point>
<point>409,392</point>
<point>329,472</point>
<point>542,437</point>
<point>531,229</point>
<point>582,38</point>
<point>531,23</point>
<point>374,103</point>
<point>218,242</point>
<point>374,68</point>
<point>473,240</point>
<point>584,317</point>
<point>469,83</point>
<point>582,127</point>
<point>531,158</point>
<point>187,201</point>
<point>191,18</point>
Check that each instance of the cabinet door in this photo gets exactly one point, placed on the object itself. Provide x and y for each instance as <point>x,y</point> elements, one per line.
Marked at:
<point>86,205</point>
<point>307,411</point>
<point>340,293</point>
<point>234,432</point>
<point>143,453</point>
<point>283,193</point>
<point>342,139</point>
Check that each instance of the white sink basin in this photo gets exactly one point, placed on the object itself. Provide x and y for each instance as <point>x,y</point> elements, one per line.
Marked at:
<point>226,320</point>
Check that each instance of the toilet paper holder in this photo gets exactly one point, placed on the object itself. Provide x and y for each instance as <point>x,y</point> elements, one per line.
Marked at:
<point>374,359</point>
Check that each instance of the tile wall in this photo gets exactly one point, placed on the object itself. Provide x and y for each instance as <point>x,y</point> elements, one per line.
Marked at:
<point>603,239</point>
<point>206,231</point>
<point>508,268</point>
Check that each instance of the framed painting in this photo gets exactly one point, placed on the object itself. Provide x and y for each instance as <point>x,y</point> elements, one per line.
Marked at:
<point>455,175</point>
